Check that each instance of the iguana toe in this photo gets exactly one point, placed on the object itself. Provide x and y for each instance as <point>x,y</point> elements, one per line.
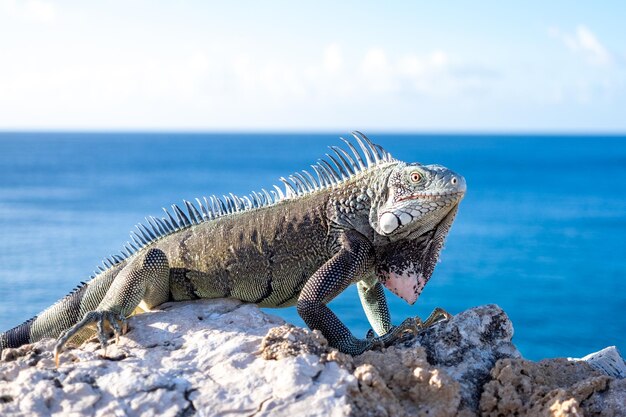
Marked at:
<point>100,318</point>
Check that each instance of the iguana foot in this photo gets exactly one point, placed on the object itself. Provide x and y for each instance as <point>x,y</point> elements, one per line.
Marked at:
<point>410,326</point>
<point>100,318</point>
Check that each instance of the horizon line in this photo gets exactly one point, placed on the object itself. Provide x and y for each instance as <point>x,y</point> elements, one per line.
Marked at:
<point>286,132</point>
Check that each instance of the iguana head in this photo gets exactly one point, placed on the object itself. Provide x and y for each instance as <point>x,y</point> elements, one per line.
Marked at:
<point>415,215</point>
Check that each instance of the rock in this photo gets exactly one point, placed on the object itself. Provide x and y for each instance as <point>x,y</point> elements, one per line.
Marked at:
<point>551,387</point>
<point>222,357</point>
<point>185,358</point>
<point>400,382</point>
<point>468,346</point>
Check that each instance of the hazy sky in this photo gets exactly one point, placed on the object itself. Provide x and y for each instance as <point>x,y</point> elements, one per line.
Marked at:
<point>330,66</point>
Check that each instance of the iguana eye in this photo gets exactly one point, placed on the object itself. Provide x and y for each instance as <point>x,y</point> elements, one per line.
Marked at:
<point>415,176</point>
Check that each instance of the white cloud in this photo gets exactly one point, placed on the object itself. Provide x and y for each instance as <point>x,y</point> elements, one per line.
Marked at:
<point>33,10</point>
<point>378,74</point>
<point>585,42</point>
<point>215,87</point>
<point>333,58</point>
<point>427,74</point>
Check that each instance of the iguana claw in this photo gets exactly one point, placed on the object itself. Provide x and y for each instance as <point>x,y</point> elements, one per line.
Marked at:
<point>410,326</point>
<point>100,318</point>
<point>437,316</point>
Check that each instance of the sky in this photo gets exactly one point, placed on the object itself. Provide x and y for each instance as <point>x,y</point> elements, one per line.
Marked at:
<point>415,66</point>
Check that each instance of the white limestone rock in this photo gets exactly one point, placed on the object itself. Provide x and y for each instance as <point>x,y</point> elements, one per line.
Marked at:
<point>195,357</point>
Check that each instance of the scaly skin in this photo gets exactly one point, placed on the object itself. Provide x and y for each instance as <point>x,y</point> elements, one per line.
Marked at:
<point>377,225</point>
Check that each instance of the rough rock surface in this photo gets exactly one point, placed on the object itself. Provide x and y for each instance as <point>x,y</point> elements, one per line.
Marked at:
<point>555,387</point>
<point>468,346</point>
<point>221,357</point>
<point>190,357</point>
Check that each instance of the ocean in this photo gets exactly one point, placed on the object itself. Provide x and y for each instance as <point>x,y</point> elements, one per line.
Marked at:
<point>541,231</point>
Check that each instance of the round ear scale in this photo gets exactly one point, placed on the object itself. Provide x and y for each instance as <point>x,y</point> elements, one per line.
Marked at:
<point>388,222</point>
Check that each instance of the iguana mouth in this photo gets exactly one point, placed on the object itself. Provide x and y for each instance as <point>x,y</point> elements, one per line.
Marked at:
<point>432,196</point>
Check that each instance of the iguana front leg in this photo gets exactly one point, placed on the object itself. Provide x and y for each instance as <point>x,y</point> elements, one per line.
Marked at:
<point>354,259</point>
<point>145,279</point>
<point>372,295</point>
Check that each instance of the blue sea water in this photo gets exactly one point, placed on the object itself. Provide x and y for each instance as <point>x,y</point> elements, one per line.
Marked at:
<point>541,232</point>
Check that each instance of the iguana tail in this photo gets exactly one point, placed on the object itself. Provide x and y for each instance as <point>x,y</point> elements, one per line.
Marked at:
<point>64,313</point>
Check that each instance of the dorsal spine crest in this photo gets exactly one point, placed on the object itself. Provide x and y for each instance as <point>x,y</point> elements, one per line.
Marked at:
<point>343,166</point>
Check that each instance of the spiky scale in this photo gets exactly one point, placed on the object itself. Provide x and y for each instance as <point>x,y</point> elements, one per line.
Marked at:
<point>237,202</point>
<point>182,218</point>
<point>163,229</point>
<point>324,182</point>
<point>205,214</point>
<point>256,199</point>
<point>357,156</point>
<point>316,185</point>
<point>156,227</point>
<point>232,203</point>
<point>169,226</point>
<point>366,151</point>
<point>268,196</point>
<point>173,222</point>
<point>194,215</point>
<point>330,176</point>
<point>288,187</point>
<point>151,235</point>
<point>340,168</point>
<point>347,159</point>
<point>280,193</point>
<point>145,233</point>
<point>308,187</point>
<point>209,208</point>
<point>371,147</point>
<point>227,204</point>
<point>139,241</point>
<point>301,188</point>
<point>215,207</point>
<point>222,205</point>
<point>153,226</point>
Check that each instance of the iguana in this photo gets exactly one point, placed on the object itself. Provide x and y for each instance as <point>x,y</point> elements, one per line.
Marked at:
<point>363,218</point>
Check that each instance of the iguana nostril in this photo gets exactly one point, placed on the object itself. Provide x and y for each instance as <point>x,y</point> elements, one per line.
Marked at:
<point>454,181</point>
